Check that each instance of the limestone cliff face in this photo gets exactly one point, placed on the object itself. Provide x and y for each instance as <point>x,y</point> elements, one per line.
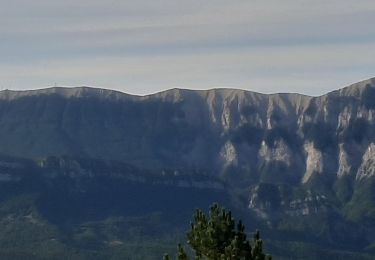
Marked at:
<point>247,135</point>
<point>293,163</point>
<point>367,168</point>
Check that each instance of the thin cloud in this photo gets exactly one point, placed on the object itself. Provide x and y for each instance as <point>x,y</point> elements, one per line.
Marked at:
<point>143,46</point>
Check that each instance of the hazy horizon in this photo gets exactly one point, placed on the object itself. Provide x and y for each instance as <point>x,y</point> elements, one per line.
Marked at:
<point>142,47</point>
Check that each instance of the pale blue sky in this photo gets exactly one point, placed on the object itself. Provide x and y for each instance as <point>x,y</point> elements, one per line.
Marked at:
<point>142,47</point>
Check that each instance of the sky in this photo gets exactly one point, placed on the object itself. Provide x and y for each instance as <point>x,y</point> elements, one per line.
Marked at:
<point>142,47</point>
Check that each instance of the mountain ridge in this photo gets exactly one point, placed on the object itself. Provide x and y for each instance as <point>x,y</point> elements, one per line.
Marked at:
<point>82,90</point>
<point>295,165</point>
<point>238,120</point>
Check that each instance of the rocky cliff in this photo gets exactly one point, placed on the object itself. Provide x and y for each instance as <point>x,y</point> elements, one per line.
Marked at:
<point>274,138</point>
<point>298,164</point>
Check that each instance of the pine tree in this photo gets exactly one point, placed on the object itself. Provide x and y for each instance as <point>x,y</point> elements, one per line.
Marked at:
<point>181,255</point>
<point>217,237</point>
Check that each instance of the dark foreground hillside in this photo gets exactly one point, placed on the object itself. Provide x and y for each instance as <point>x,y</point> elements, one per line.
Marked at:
<point>71,208</point>
<point>65,208</point>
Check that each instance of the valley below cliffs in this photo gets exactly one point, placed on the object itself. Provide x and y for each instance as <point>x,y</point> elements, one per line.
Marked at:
<point>300,168</point>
